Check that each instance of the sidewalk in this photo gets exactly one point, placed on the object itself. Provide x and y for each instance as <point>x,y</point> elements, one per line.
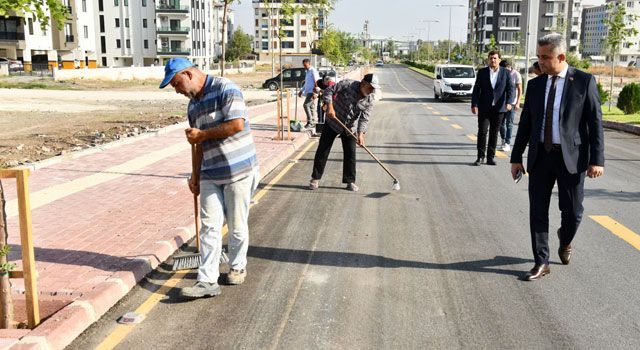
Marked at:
<point>104,219</point>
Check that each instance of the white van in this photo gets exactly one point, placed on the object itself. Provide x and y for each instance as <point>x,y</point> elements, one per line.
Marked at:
<point>453,80</point>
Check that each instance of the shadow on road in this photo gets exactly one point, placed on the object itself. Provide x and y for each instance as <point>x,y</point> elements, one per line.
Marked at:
<point>359,260</point>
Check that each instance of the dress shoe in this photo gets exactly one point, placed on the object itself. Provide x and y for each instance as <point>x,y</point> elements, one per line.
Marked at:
<point>491,161</point>
<point>537,272</point>
<point>564,252</point>
<point>478,162</point>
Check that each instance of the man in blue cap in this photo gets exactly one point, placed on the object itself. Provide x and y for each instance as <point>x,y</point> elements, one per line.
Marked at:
<point>227,169</point>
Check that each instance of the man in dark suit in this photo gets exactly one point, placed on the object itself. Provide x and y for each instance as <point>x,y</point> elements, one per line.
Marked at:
<point>562,123</point>
<point>491,99</point>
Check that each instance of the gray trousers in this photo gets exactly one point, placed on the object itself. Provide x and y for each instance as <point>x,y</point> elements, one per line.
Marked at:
<point>310,109</point>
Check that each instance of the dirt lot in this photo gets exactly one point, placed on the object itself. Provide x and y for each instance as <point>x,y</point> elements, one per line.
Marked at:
<point>36,124</point>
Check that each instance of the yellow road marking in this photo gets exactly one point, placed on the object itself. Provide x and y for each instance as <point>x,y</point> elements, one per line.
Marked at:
<point>618,229</point>
<point>53,193</point>
<point>436,113</point>
<point>472,137</point>
<point>456,126</point>
<point>501,154</point>
<point>121,331</point>
<point>430,108</point>
<point>444,118</point>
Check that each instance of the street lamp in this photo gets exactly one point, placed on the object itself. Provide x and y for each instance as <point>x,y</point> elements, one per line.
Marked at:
<point>449,6</point>
<point>428,22</point>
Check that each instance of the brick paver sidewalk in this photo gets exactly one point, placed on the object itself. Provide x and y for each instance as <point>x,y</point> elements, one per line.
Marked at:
<point>103,220</point>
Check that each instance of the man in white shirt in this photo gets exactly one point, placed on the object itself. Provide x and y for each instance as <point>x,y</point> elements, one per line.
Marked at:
<point>308,90</point>
<point>506,127</point>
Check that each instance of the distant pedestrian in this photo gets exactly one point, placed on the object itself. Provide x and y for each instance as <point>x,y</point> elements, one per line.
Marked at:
<point>506,127</point>
<point>351,102</point>
<point>227,175</point>
<point>322,84</point>
<point>535,68</point>
<point>492,96</point>
<point>309,91</point>
<point>561,122</point>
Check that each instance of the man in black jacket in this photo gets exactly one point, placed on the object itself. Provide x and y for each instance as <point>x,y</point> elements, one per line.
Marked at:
<point>561,122</point>
<point>491,98</point>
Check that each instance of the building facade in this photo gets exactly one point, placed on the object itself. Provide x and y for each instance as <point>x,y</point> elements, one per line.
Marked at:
<point>300,33</point>
<point>594,30</point>
<point>506,22</point>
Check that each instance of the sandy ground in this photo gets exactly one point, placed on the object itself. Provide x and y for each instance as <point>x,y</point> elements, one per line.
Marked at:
<point>38,124</point>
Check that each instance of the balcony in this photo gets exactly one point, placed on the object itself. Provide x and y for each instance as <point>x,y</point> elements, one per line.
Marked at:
<point>11,36</point>
<point>172,8</point>
<point>165,51</point>
<point>173,30</point>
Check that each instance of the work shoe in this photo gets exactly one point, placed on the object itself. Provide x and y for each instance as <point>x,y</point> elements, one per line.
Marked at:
<point>352,187</point>
<point>506,147</point>
<point>236,276</point>
<point>313,184</point>
<point>200,290</point>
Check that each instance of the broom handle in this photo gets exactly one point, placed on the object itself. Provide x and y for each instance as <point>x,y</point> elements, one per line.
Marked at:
<point>366,149</point>
<point>195,198</point>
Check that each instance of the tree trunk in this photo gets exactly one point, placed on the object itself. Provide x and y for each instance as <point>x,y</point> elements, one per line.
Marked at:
<point>613,61</point>
<point>224,36</point>
<point>6,302</point>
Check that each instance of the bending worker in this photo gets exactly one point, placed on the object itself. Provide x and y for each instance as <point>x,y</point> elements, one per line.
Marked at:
<point>350,102</point>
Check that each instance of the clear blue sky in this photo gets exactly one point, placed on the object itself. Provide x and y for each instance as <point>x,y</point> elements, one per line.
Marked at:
<point>397,19</point>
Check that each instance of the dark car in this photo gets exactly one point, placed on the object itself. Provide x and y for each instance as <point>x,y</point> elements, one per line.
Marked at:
<point>291,77</point>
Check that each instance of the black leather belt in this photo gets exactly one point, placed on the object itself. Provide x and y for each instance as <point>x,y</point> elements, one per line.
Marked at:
<point>554,148</point>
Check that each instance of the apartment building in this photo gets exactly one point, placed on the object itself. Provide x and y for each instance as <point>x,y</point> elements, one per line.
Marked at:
<point>301,32</point>
<point>594,31</point>
<point>507,21</point>
<point>630,51</point>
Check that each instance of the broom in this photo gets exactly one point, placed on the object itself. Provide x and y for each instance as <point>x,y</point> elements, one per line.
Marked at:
<point>190,261</point>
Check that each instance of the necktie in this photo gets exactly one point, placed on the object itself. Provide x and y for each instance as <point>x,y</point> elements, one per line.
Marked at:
<point>548,117</point>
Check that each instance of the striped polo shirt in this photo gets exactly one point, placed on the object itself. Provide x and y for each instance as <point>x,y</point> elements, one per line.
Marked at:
<point>233,158</point>
<point>351,109</point>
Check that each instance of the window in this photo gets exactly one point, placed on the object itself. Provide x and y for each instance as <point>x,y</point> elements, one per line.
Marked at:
<point>30,26</point>
<point>126,2</point>
<point>100,5</point>
<point>144,3</point>
<point>101,23</point>
<point>303,22</point>
<point>86,32</point>
<point>117,22</point>
<point>287,44</point>
<point>303,33</point>
<point>128,44</point>
<point>103,45</point>
<point>117,43</point>
<point>84,5</point>
<point>303,44</point>
<point>146,43</point>
<point>126,22</point>
<point>144,23</point>
<point>116,2</point>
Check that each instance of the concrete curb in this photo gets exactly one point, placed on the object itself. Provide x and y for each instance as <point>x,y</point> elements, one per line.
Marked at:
<point>69,322</point>
<point>625,127</point>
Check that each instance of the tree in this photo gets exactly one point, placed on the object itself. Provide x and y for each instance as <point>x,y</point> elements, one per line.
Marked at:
<point>492,45</point>
<point>225,8</point>
<point>391,47</point>
<point>618,33</point>
<point>41,10</point>
<point>239,45</point>
<point>6,302</point>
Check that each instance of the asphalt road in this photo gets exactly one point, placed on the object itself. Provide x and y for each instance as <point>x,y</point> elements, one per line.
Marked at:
<point>435,265</point>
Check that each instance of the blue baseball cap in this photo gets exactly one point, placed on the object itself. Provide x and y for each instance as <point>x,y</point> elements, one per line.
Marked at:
<point>173,67</point>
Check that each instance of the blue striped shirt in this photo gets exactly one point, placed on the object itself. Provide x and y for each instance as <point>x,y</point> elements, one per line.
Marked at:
<point>233,158</point>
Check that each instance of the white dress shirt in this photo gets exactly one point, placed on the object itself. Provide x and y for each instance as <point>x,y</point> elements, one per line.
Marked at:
<point>493,76</point>
<point>555,120</point>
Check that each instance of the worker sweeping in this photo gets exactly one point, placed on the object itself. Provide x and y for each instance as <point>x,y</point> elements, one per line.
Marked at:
<point>348,104</point>
<point>225,172</point>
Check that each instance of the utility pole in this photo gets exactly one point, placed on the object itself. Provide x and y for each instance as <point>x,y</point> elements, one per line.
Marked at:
<point>526,47</point>
<point>449,41</point>
<point>428,22</point>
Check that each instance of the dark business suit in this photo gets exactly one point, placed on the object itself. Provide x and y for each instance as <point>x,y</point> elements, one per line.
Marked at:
<point>491,103</point>
<point>581,145</point>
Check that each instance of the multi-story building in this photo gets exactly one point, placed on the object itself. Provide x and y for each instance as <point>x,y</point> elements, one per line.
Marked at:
<point>630,50</point>
<point>300,33</point>
<point>507,22</point>
<point>74,42</point>
<point>594,31</point>
<point>144,33</point>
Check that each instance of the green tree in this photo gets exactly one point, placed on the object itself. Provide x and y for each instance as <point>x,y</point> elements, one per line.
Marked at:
<point>225,12</point>
<point>391,47</point>
<point>41,10</point>
<point>619,31</point>
<point>492,45</point>
<point>239,45</point>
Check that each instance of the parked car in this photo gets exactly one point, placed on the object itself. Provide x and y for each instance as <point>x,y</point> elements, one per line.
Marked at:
<point>453,80</point>
<point>329,71</point>
<point>291,77</point>
<point>13,64</point>
<point>379,63</point>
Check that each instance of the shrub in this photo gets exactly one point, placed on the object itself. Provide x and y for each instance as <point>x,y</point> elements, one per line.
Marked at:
<point>604,95</point>
<point>629,99</point>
